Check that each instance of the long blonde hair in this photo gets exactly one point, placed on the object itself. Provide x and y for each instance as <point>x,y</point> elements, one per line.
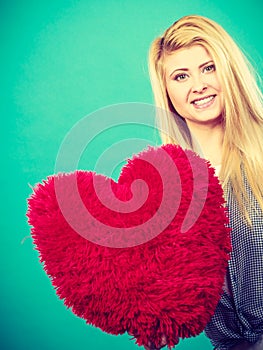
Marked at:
<point>242,115</point>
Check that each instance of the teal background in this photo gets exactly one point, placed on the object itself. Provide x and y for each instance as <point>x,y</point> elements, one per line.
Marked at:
<point>61,60</point>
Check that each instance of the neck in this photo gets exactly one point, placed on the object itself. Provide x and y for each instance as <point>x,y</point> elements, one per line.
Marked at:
<point>210,140</point>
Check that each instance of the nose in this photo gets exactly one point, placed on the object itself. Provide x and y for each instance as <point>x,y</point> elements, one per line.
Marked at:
<point>199,85</point>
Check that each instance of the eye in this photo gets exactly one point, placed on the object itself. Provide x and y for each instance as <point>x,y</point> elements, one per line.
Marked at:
<point>180,77</point>
<point>210,68</point>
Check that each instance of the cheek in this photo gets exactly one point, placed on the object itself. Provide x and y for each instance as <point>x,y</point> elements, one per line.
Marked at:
<point>178,96</point>
<point>215,83</point>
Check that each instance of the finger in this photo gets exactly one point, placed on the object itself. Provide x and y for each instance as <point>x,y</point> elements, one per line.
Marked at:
<point>150,346</point>
<point>163,342</point>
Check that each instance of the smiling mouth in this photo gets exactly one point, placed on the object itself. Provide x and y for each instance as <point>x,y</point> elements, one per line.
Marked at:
<point>204,102</point>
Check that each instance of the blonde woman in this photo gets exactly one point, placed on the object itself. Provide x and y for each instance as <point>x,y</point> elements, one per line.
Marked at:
<point>209,101</point>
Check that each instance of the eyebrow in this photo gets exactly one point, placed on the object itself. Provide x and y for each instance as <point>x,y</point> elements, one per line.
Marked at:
<point>186,69</point>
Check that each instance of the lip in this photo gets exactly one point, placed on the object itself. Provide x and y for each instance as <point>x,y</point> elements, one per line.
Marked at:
<point>211,99</point>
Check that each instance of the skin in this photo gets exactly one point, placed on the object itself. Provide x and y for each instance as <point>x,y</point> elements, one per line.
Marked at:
<point>151,346</point>
<point>196,94</point>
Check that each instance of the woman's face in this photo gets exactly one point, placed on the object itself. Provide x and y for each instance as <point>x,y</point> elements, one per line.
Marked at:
<point>193,86</point>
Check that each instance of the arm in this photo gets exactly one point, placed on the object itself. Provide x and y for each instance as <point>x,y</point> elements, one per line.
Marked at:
<point>246,270</point>
<point>239,315</point>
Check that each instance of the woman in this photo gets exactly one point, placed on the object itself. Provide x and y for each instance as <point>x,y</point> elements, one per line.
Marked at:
<point>209,102</point>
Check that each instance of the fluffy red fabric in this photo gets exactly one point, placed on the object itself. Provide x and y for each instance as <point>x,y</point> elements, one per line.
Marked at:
<point>159,279</point>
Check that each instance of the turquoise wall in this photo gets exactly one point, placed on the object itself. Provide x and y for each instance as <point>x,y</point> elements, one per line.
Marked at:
<point>60,61</point>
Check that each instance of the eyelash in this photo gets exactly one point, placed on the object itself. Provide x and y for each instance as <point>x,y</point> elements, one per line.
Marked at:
<point>179,76</point>
<point>207,69</point>
<point>210,66</point>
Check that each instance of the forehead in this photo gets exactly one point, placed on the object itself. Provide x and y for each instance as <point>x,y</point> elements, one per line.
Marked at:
<point>188,57</point>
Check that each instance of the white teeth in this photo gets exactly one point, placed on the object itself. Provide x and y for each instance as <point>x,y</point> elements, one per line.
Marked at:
<point>203,101</point>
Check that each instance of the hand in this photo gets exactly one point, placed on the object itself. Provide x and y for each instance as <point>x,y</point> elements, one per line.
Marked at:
<point>151,346</point>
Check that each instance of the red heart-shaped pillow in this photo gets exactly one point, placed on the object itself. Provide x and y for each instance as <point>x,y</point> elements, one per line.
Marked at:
<point>147,254</point>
